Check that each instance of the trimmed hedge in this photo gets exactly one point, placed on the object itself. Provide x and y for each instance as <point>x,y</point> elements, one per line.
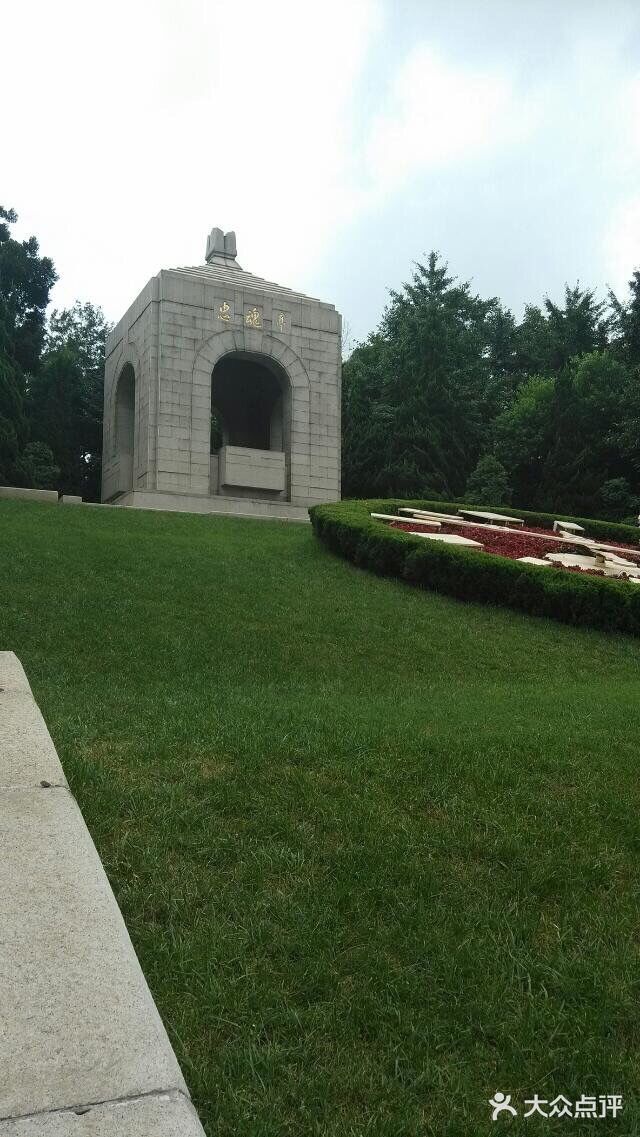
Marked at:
<point>589,601</point>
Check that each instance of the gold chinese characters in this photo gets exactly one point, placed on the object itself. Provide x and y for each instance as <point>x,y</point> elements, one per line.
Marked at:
<point>224,311</point>
<point>253,319</point>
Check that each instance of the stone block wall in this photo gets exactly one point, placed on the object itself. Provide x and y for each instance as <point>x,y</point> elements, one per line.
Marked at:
<point>182,323</point>
<point>252,469</point>
<point>133,341</point>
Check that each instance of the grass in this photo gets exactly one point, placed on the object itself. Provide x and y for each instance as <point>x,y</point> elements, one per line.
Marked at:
<point>377,849</point>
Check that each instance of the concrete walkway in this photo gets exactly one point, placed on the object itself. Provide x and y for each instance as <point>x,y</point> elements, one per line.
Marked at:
<point>83,1052</point>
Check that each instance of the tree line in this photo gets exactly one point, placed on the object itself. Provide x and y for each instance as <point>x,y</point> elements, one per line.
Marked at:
<point>51,376</point>
<point>453,398</point>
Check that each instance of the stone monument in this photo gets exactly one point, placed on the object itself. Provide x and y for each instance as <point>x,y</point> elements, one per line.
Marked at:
<point>222,394</point>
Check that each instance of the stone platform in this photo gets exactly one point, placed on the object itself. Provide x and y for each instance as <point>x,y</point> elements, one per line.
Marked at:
<point>231,506</point>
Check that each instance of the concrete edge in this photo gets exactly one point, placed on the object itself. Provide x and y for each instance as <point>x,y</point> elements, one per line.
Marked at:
<point>166,1114</point>
<point>83,1050</point>
<point>21,492</point>
<point>218,513</point>
<point>28,757</point>
<point>161,501</point>
<point>24,493</point>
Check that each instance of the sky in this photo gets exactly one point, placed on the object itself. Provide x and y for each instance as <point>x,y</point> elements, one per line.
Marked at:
<point>342,142</point>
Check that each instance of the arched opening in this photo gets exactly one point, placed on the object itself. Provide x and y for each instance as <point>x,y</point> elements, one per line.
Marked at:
<point>249,426</point>
<point>124,432</point>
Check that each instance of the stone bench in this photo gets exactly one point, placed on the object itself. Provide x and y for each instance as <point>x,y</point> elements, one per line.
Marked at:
<point>414,520</point>
<point>430,515</point>
<point>83,1051</point>
<point>496,518</point>
<point>452,539</point>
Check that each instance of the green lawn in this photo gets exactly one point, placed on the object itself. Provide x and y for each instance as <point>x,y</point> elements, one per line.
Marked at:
<point>377,850</point>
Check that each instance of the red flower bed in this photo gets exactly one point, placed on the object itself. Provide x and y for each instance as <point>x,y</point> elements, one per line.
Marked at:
<point>507,543</point>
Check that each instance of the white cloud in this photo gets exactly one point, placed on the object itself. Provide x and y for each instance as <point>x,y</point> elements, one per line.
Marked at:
<point>139,126</point>
<point>135,127</point>
<point>622,244</point>
<point>439,114</point>
<point>621,224</point>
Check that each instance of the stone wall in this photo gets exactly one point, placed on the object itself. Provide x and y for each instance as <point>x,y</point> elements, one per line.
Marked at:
<point>133,341</point>
<point>175,333</point>
<point>252,469</point>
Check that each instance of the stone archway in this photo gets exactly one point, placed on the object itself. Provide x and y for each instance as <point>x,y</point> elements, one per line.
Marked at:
<point>247,395</point>
<point>250,444</point>
<point>124,432</point>
<point>266,351</point>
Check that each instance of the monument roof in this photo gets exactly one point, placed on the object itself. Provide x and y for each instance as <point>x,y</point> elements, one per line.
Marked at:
<point>237,277</point>
<point>222,268</point>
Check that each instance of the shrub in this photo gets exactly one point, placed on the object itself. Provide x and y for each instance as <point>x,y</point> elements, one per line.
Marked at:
<point>489,481</point>
<point>38,466</point>
<point>617,500</point>
<point>347,528</point>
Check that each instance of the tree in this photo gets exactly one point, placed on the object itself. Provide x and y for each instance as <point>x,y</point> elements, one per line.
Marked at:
<point>452,394</point>
<point>437,336</point>
<point>25,281</point>
<point>534,344</point>
<point>577,328</point>
<point>545,341</point>
<point>504,368</point>
<point>366,419</point>
<point>617,502</point>
<point>38,466</point>
<point>524,435</point>
<point>625,322</point>
<point>488,483</point>
<point>13,424</point>
<point>420,387</point>
<point>66,396</point>
<point>54,403</point>
<point>565,438</point>
<point>593,397</point>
